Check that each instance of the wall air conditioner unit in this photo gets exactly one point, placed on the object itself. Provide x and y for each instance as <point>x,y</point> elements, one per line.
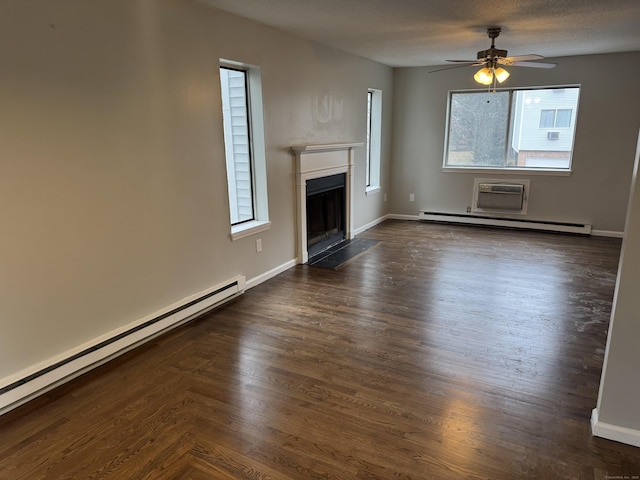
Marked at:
<point>500,197</point>
<point>553,135</point>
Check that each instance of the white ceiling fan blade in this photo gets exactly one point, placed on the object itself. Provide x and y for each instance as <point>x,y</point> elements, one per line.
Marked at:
<point>534,64</point>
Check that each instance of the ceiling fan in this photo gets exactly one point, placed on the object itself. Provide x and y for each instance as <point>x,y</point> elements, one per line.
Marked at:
<point>493,59</point>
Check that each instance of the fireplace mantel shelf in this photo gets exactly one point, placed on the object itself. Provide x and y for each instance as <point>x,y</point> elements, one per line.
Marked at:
<point>325,147</point>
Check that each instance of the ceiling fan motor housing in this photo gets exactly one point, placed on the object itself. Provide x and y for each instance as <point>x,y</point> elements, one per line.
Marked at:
<point>492,53</point>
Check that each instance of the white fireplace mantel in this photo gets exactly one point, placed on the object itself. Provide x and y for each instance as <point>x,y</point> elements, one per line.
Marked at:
<point>317,161</point>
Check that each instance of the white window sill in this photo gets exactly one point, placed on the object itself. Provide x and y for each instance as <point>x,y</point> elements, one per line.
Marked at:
<point>249,228</point>
<point>509,171</point>
<point>372,190</point>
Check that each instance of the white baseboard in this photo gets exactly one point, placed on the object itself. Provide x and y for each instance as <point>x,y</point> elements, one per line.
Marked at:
<point>270,274</point>
<point>607,233</point>
<point>35,380</point>
<point>398,216</point>
<point>369,225</point>
<point>614,432</point>
<point>594,232</point>
<point>508,222</point>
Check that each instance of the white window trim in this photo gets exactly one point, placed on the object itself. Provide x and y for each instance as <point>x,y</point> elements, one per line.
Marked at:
<point>247,229</point>
<point>509,171</point>
<point>258,150</point>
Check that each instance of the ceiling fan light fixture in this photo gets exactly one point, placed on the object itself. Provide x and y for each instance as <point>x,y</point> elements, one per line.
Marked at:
<point>492,58</point>
<point>501,74</point>
<point>484,76</point>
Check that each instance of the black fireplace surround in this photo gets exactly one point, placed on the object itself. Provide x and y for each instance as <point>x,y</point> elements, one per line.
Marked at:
<point>326,200</point>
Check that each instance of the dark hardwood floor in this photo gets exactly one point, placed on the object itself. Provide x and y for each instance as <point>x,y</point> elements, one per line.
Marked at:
<point>442,353</point>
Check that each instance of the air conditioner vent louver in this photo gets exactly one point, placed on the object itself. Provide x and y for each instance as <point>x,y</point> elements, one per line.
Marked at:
<point>500,197</point>
<point>500,188</point>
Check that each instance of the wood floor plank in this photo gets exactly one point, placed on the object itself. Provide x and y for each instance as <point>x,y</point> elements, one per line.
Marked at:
<point>445,352</point>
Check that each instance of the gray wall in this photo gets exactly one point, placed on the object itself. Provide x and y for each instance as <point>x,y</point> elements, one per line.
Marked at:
<point>596,192</point>
<point>112,184</point>
<point>619,399</point>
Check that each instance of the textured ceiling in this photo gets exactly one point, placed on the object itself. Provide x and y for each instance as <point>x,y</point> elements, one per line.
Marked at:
<point>407,33</point>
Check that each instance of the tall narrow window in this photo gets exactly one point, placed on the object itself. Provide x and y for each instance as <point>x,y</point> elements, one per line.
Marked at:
<point>374,133</point>
<point>368,162</point>
<point>244,148</point>
<point>237,144</point>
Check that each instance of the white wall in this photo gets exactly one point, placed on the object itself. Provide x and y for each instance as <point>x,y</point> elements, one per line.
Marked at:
<point>112,177</point>
<point>608,119</point>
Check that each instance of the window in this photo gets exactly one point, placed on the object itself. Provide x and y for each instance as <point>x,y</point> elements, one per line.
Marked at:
<point>368,161</point>
<point>374,133</point>
<point>555,118</point>
<point>244,148</point>
<point>237,144</point>
<point>509,129</point>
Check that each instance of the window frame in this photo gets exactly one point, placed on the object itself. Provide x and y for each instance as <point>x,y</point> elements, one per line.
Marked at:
<point>511,169</point>
<point>257,151</point>
<point>374,141</point>
<point>247,106</point>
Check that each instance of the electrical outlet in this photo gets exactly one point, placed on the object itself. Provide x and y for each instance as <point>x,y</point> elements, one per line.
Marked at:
<point>468,209</point>
<point>412,197</point>
<point>259,245</point>
<point>385,197</point>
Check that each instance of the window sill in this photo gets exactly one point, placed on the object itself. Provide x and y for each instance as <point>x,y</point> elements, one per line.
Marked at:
<point>250,228</point>
<point>509,171</point>
<point>372,190</point>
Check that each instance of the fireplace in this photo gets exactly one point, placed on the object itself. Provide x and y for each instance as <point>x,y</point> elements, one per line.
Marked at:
<point>325,212</point>
<point>322,162</point>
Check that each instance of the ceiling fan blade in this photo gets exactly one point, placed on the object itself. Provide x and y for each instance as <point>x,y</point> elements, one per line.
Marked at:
<point>524,58</point>
<point>534,64</point>
<point>455,66</point>
<point>493,57</point>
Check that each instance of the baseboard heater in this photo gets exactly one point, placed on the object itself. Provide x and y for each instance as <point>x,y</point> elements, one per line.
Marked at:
<point>489,221</point>
<point>42,378</point>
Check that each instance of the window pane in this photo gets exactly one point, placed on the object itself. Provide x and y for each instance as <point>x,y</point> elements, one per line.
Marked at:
<point>547,118</point>
<point>237,144</point>
<point>563,118</point>
<point>478,129</point>
<point>548,109</point>
<point>368,153</point>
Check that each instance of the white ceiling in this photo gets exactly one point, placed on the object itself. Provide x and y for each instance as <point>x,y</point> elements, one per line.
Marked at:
<point>404,33</point>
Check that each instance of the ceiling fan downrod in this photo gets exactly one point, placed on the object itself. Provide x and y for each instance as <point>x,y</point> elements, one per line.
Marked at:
<point>492,52</point>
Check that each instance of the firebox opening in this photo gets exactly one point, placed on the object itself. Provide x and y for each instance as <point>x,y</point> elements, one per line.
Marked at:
<point>326,201</point>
